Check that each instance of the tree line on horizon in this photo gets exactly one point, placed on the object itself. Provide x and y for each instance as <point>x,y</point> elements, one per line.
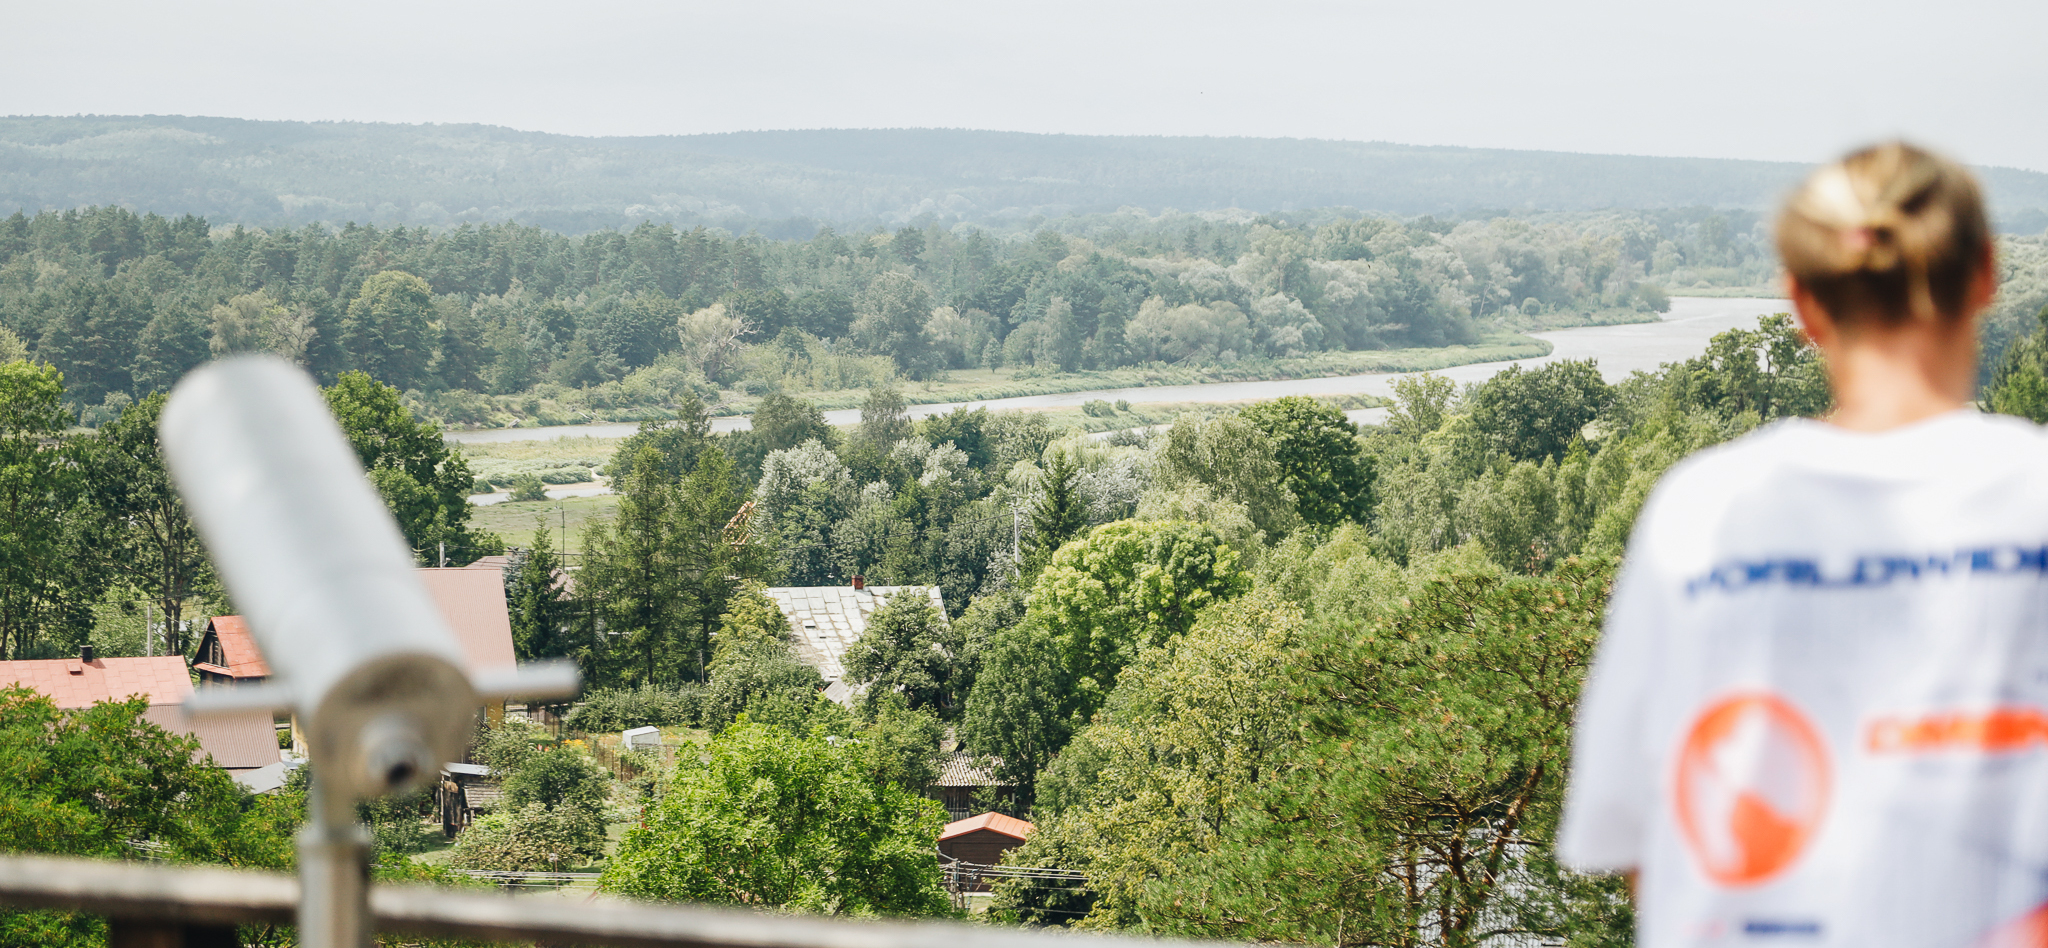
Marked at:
<point>486,324</point>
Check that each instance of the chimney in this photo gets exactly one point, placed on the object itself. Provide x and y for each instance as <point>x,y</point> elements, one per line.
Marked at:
<point>859,581</point>
<point>85,653</point>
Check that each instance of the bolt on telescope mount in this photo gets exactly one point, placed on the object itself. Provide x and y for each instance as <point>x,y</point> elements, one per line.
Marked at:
<point>356,646</point>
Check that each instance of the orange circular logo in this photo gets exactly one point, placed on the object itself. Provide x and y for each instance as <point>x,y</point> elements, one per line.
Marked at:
<point>1752,787</point>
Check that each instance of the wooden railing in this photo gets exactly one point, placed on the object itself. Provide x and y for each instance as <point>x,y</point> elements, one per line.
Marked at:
<point>173,905</point>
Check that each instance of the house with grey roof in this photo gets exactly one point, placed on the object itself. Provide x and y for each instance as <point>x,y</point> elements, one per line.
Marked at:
<point>825,621</point>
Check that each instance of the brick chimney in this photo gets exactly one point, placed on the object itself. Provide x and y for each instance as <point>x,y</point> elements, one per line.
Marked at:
<point>859,581</point>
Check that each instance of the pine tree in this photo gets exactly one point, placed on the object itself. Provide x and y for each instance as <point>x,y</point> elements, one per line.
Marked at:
<point>533,591</point>
<point>1060,513</point>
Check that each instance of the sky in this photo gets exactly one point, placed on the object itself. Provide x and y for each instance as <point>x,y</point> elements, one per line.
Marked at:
<point>1766,79</point>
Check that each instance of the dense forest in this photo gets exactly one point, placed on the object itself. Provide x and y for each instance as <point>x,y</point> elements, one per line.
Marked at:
<point>788,183</point>
<point>487,325</point>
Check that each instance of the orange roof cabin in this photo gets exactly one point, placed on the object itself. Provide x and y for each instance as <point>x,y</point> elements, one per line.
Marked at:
<point>471,599</point>
<point>980,841</point>
<point>238,742</point>
<point>227,654</point>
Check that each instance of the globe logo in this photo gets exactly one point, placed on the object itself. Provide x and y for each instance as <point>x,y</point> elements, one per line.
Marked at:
<point>1752,787</point>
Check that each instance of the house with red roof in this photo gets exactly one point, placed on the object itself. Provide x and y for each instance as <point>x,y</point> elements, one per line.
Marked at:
<point>227,653</point>
<point>471,599</point>
<point>980,841</point>
<point>239,742</point>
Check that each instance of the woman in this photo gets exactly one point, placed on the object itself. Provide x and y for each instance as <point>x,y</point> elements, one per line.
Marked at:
<point>1820,710</point>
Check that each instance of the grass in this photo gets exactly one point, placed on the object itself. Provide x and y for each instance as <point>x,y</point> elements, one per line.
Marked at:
<point>556,460</point>
<point>514,522</point>
<point>968,385</point>
<point>1767,291</point>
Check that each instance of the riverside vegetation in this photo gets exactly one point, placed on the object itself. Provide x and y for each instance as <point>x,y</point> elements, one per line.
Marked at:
<point>495,324</point>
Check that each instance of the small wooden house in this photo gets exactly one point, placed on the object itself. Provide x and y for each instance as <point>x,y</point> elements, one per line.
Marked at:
<point>978,841</point>
<point>228,655</point>
<point>471,599</point>
<point>965,786</point>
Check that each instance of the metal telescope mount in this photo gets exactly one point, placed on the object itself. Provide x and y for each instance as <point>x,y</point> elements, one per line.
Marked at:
<point>356,646</point>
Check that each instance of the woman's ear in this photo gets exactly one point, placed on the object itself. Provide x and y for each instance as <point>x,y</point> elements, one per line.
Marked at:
<point>1984,285</point>
<point>1814,322</point>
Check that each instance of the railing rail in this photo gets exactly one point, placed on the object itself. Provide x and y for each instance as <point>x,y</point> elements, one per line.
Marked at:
<point>539,879</point>
<point>142,896</point>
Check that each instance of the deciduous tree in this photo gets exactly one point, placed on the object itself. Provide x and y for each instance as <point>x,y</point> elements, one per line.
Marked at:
<point>774,820</point>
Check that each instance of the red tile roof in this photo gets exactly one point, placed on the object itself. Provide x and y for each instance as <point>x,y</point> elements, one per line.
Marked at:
<point>239,648</point>
<point>473,602</point>
<point>236,741</point>
<point>1007,825</point>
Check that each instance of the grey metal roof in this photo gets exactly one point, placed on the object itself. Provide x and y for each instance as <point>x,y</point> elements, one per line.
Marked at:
<point>825,621</point>
<point>958,769</point>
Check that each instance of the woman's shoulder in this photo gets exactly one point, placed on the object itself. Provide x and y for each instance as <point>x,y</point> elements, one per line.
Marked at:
<point>1960,442</point>
<point>1780,472</point>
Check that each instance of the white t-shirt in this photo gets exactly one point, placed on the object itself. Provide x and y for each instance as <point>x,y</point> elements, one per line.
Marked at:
<point>1819,714</point>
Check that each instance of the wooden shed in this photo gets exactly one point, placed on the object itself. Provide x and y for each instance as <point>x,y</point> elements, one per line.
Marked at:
<point>465,791</point>
<point>979,841</point>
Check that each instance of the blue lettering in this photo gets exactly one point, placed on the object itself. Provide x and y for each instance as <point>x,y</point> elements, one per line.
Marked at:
<point>1759,926</point>
<point>1872,570</point>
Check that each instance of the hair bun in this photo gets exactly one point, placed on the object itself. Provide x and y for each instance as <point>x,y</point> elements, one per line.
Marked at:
<point>1892,230</point>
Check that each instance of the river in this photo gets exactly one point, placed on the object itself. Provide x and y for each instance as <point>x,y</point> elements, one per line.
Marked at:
<point>1681,334</point>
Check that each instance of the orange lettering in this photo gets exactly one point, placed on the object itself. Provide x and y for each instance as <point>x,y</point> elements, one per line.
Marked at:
<point>2000,730</point>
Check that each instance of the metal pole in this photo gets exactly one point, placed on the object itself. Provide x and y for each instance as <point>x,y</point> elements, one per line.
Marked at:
<point>334,874</point>
<point>148,631</point>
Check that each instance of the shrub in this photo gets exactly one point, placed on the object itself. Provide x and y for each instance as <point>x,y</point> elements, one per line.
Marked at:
<point>529,839</point>
<point>770,819</point>
<point>616,709</point>
<point>557,778</point>
<point>510,744</point>
<point>529,487</point>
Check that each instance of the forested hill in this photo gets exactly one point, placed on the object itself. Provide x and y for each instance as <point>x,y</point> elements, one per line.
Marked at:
<point>786,183</point>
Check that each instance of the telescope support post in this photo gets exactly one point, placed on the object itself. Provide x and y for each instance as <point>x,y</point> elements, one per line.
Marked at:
<point>334,875</point>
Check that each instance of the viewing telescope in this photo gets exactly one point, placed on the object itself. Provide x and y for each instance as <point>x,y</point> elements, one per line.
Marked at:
<point>358,650</point>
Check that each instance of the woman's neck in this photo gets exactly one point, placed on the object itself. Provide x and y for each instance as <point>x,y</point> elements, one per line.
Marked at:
<point>1895,376</point>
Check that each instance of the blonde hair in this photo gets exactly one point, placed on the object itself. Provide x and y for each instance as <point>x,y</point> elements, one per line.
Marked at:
<point>1891,233</point>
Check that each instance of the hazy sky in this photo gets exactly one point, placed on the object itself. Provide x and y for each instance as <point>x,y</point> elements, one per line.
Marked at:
<point>1728,78</point>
